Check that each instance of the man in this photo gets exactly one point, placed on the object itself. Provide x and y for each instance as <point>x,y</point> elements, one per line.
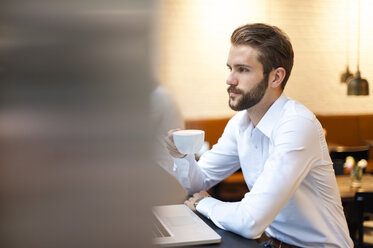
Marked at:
<point>280,147</point>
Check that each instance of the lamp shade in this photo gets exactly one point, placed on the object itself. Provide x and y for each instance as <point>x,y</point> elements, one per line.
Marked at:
<point>346,75</point>
<point>357,86</point>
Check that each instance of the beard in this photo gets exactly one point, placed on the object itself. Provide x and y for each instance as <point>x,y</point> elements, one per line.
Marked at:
<point>250,98</point>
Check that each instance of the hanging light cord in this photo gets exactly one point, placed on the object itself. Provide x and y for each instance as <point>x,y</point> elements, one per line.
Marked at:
<point>348,33</point>
<point>358,37</point>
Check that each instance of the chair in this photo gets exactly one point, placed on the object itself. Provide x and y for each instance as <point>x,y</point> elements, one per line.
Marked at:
<point>363,206</point>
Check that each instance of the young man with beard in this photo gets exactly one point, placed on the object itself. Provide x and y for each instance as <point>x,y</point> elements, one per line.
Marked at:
<point>279,146</point>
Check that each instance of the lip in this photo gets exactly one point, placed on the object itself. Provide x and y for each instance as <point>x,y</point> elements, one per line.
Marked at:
<point>232,93</point>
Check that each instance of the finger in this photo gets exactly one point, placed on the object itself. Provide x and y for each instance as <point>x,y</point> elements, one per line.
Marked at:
<point>174,152</point>
<point>200,194</point>
<point>189,204</point>
<point>191,200</point>
<point>169,142</point>
<point>170,132</point>
<point>172,149</point>
<point>205,194</point>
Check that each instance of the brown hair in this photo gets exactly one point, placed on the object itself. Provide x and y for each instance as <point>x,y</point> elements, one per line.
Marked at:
<point>275,49</point>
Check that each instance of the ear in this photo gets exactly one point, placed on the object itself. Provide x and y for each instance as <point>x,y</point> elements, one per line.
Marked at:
<point>277,77</point>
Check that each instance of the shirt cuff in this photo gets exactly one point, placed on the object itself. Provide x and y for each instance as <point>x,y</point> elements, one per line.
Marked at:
<point>206,205</point>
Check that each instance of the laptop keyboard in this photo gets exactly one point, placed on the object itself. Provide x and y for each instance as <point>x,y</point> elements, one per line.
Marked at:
<point>158,229</point>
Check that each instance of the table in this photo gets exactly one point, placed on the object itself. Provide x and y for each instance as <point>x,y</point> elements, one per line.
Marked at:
<point>341,148</point>
<point>347,192</point>
<point>339,153</point>
<point>370,160</point>
<point>228,239</point>
<point>348,197</point>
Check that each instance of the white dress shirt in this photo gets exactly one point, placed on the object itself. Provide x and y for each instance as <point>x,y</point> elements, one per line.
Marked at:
<point>293,194</point>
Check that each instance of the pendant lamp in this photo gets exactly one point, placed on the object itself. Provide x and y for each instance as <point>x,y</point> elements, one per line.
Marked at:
<point>358,86</point>
<point>345,76</point>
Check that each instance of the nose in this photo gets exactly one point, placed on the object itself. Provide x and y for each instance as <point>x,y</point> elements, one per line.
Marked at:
<point>232,80</point>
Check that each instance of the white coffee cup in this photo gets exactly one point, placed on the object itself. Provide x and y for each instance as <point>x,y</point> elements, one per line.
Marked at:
<point>189,141</point>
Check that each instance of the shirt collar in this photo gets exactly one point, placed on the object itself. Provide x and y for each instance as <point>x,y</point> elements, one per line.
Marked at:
<point>273,114</point>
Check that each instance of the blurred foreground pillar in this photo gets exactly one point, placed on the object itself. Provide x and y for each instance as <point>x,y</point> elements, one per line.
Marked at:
<point>74,86</point>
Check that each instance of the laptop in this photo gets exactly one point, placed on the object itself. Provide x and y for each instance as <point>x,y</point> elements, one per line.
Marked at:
<point>177,225</point>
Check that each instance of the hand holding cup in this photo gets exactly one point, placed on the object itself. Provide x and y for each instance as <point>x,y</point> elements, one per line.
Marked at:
<point>182,142</point>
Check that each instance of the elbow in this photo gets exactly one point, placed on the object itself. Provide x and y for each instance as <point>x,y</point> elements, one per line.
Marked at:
<point>252,228</point>
<point>252,232</point>
<point>249,230</point>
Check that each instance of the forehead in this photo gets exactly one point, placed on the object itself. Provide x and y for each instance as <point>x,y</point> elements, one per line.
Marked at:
<point>243,54</point>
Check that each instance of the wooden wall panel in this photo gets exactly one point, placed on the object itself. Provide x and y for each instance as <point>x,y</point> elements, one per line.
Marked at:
<point>347,130</point>
<point>213,128</point>
<point>366,127</point>
<point>341,129</point>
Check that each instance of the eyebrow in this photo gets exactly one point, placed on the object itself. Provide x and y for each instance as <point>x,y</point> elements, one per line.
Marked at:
<point>239,65</point>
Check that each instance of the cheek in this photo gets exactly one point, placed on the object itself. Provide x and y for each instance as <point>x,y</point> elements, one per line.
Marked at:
<point>248,82</point>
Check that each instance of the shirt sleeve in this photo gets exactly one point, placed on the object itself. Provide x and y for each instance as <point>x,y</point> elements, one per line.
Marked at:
<point>296,148</point>
<point>214,165</point>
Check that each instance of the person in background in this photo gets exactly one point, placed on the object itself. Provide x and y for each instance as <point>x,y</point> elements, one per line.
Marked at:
<point>280,147</point>
<point>164,115</point>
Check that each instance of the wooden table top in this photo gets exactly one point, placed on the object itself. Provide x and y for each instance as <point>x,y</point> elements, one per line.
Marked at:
<point>347,192</point>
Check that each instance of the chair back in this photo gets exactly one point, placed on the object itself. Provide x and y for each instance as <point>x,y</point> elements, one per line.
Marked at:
<point>363,205</point>
<point>339,154</point>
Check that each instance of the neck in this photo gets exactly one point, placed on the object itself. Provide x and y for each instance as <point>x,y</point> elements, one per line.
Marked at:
<point>257,112</point>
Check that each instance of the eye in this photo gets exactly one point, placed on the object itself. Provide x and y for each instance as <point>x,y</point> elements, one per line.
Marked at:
<point>229,68</point>
<point>242,69</point>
